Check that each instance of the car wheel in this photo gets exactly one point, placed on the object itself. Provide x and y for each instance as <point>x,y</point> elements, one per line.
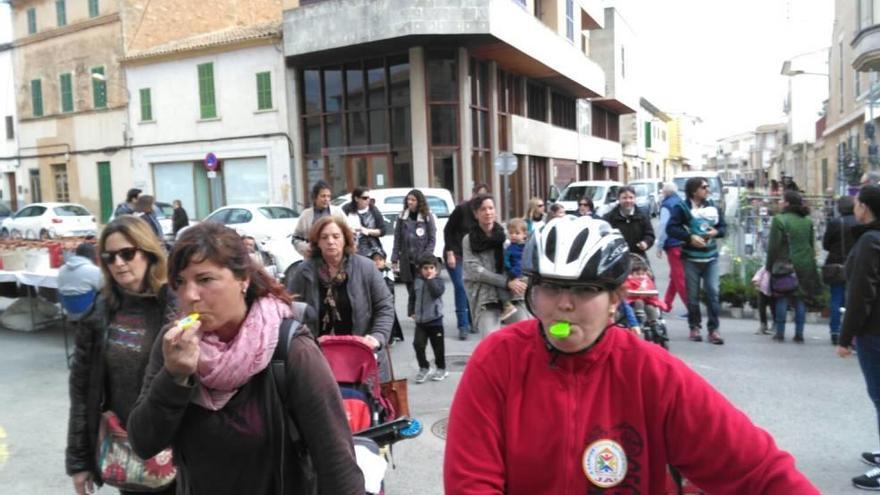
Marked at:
<point>44,235</point>
<point>15,234</point>
<point>4,234</point>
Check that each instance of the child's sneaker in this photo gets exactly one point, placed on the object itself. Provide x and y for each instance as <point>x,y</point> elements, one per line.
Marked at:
<point>422,375</point>
<point>868,481</point>
<point>508,311</point>
<point>439,374</point>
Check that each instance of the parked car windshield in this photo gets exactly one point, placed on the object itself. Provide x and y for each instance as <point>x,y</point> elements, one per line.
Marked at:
<point>274,212</point>
<point>71,211</point>
<point>164,210</point>
<point>574,193</point>
<point>641,190</point>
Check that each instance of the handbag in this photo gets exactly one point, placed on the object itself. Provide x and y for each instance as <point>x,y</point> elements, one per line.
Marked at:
<point>395,392</point>
<point>120,467</point>
<point>783,278</point>
<point>761,281</point>
<point>835,273</point>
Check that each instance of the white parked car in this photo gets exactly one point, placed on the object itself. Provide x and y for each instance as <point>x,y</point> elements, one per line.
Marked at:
<point>48,220</point>
<point>649,194</point>
<point>390,203</point>
<point>270,225</point>
<point>602,192</point>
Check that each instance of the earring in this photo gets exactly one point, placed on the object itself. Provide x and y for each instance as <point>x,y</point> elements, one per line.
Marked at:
<point>244,290</point>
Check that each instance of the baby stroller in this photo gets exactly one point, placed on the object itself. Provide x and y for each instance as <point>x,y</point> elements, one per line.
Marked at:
<point>641,296</point>
<point>370,416</point>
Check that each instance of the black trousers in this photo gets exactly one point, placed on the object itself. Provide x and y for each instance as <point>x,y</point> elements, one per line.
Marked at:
<point>432,331</point>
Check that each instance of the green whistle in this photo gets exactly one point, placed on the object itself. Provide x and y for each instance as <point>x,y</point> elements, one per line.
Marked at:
<point>560,329</point>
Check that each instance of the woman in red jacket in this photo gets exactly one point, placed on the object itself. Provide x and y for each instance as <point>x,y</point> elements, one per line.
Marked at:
<point>571,404</point>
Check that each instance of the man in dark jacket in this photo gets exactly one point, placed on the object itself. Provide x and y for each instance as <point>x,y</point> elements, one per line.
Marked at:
<point>838,241</point>
<point>459,224</point>
<point>633,223</point>
<point>699,253</point>
<point>179,219</point>
<point>127,206</point>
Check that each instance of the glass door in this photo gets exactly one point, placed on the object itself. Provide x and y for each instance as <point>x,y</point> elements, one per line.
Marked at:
<point>372,171</point>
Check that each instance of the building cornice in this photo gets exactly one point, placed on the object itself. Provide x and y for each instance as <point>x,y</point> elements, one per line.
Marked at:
<point>237,37</point>
<point>844,122</point>
<point>66,30</point>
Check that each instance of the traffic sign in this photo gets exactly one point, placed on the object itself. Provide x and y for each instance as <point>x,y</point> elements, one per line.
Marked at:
<point>505,163</point>
<point>211,163</point>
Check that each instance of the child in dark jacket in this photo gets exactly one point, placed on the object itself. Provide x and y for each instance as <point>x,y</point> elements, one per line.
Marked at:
<point>428,289</point>
<point>517,233</point>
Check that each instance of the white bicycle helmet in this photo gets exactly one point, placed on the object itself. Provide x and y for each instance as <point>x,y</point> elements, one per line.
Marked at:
<point>577,251</point>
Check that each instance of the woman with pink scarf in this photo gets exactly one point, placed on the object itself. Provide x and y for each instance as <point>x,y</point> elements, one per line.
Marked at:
<point>207,392</point>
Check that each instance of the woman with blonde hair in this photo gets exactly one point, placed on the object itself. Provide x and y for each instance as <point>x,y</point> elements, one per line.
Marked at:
<point>114,341</point>
<point>535,215</point>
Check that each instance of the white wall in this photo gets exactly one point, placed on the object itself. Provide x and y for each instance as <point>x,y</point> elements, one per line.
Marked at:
<point>8,147</point>
<point>177,133</point>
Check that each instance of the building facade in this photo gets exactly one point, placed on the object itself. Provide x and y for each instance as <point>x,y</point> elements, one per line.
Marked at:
<point>222,93</point>
<point>71,102</point>
<point>427,94</point>
<point>847,147</point>
<point>646,142</point>
<point>686,143</point>
<point>9,162</point>
<point>770,140</point>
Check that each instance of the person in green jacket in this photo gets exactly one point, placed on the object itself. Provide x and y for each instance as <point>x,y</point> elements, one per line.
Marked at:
<point>792,239</point>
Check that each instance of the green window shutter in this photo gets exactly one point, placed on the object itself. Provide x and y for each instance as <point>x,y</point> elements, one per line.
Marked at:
<point>61,12</point>
<point>264,90</point>
<point>93,8</point>
<point>99,89</point>
<point>146,105</point>
<point>66,93</point>
<point>37,97</point>
<point>32,21</point>
<point>105,191</point>
<point>208,109</point>
<point>647,134</point>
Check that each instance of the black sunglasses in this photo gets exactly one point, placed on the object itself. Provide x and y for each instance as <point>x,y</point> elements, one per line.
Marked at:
<point>555,290</point>
<point>583,204</point>
<point>127,254</point>
<point>365,197</point>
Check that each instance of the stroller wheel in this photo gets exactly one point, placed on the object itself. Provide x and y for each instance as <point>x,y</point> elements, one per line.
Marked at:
<point>413,430</point>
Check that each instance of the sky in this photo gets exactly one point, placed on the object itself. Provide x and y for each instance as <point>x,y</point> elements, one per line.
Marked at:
<point>721,59</point>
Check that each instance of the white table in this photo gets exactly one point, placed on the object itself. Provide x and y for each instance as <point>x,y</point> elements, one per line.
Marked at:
<point>47,278</point>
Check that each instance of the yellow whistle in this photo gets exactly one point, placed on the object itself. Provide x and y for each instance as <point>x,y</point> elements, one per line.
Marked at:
<point>189,321</point>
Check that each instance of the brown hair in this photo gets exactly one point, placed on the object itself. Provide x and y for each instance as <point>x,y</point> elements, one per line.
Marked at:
<point>517,224</point>
<point>144,203</point>
<point>533,208</point>
<point>315,235</point>
<point>210,241</point>
<point>141,236</point>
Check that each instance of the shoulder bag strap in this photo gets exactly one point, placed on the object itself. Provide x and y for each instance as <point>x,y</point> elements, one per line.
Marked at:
<point>842,241</point>
<point>279,372</point>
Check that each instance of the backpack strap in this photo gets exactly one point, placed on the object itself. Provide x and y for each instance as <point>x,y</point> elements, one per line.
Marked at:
<point>279,368</point>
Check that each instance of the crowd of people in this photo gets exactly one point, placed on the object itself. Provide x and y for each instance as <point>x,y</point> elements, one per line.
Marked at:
<point>555,282</point>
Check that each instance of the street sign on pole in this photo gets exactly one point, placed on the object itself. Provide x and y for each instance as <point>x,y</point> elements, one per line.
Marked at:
<point>505,165</point>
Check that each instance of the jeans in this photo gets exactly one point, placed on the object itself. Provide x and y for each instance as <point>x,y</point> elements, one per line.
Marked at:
<point>800,315</point>
<point>838,300</point>
<point>462,313</point>
<point>488,318</point>
<point>708,273</point>
<point>433,331</point>
<point>765,302</point>
<point>676,277</point>
<point>869,360</point>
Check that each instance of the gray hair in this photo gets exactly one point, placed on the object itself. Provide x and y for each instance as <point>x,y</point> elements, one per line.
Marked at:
<point>872,177</point>
<point>669,188</point>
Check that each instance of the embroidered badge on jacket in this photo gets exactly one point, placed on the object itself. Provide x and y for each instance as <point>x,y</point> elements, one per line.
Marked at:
<point>604,463</point>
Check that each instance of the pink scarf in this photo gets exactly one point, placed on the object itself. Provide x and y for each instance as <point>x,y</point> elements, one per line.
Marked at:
<point>225,366</point>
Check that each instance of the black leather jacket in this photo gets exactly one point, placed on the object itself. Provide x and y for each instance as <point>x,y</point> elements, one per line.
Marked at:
<point>839,240</point>
<point>862,315</point>
<point>87,393</point>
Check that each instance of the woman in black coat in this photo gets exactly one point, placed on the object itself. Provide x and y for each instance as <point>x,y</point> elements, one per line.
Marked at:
<point>861,321</point>
<point>366,221</point>
<point>838,241</point>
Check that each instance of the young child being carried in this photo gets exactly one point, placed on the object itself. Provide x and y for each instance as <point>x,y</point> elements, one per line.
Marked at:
<point>378,257</point>
<point>428,289</point>
<point>642,294</point>
<point>517,233</point>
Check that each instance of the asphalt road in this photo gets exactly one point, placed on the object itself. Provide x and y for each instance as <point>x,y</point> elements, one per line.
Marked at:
<point>811,401</point>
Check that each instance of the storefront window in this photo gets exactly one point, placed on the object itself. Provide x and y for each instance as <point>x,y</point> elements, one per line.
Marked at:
<point>444,125</point>
<point>444,169</point>
<point>312,91</point>
<point>332,90</point>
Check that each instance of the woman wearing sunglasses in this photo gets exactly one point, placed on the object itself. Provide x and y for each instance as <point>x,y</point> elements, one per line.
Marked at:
<point>593,406</point>
<point>114,342</point>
